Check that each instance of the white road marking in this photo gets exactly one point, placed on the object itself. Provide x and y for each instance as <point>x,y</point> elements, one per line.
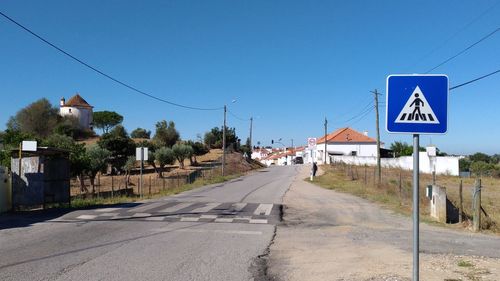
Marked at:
<point>206,208</point>
<point>208,217</point>
<point>145,207</point>
<point>154,218</point>
<point>141,215</point>
<point>263,209</point>
<point>106,210</point>
<point>108,214</point>
<point>86,217</point>
<point>221,231</point>
<point>223,220</point>
<point>259,221</point>
<point>177,207</point>
<point>189,219</point>
<point>239,206</point>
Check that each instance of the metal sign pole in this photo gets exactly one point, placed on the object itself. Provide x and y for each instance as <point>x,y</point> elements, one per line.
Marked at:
<point>142,167</point>
<point>416,170</point>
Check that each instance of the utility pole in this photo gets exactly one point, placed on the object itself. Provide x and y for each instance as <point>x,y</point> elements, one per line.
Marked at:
<point>326,134</point>
<point>224,142</point>
<point>251,125</point>
<point>379,169</point>
<point>292,144</point>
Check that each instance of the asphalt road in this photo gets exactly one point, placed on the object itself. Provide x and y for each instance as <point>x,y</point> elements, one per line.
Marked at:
<point>212,233</point>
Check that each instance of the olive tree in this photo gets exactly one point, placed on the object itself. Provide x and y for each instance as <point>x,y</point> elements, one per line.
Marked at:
<point>163,156</point>
<point>181,152</point>
<point>98,159</point>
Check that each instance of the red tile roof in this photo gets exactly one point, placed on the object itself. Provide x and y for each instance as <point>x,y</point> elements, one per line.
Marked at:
<point>77,101</point>
<point>346,135</point>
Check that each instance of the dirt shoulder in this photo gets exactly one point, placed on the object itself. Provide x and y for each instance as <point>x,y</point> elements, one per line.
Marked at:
<point>327,235</point>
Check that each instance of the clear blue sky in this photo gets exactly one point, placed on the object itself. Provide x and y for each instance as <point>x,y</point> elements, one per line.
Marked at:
<point>287,63</point>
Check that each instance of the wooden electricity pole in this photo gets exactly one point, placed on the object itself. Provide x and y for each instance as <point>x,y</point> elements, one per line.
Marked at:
<point>379,169</point>
<point>251,125</point>
<point>224,142</point>
<point>326,134</point>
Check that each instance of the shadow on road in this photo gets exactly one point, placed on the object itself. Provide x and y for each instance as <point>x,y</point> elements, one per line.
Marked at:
<point>28,218</point>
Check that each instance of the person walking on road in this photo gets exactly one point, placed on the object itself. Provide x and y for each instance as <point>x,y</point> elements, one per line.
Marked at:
<point>314,169</point>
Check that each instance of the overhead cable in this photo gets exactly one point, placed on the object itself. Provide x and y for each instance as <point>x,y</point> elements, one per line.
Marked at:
<point>103,73</point>
<point>464,50</point>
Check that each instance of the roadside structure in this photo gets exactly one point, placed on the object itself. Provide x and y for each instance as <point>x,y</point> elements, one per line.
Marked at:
<point>78,108</point>
<point>343,141</point>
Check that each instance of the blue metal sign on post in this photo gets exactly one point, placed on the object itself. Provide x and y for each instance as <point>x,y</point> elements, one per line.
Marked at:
<point>417,104</point>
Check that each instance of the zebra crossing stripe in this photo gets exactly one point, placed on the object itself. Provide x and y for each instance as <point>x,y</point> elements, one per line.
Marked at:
<point>86,217</point>
<point>141,215</point>
<point>189,219</point>
<point>206,208</point>
<point>239,206</point>
<point>107,210</point>
<point>176,207</point>
<point>263,209</point>
<point>145,207</point>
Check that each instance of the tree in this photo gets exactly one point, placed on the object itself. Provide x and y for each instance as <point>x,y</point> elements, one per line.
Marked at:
<point>198,149</point>
<point>401,149</point>
<point>181,152</point>
<point>213,138</point>
<point>10,139</point>
<point>166,134</point>
<point>481,168</point>
<point>105,120</point>
<point>98,159</point>
<point>140,133</point>
<point>476,157</point>
<point>119,144</point>
<point>70,126</point>
<point>163,156</point>
<point>38,118</point>
<point>129,165</point>
<point>78,157</point>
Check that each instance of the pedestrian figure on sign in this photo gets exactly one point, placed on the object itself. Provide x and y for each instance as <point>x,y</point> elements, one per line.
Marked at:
<point>314,169</point>
<point>418,102</point>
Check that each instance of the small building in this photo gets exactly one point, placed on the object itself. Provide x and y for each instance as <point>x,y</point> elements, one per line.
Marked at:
<point>344,141</point>
<point>40,177</point>
<point>78,108</point>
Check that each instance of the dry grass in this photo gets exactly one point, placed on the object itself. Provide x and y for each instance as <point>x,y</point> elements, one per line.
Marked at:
<point>395,191</point>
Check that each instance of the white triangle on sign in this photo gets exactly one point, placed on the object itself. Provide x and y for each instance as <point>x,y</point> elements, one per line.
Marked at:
<point>417,110</point>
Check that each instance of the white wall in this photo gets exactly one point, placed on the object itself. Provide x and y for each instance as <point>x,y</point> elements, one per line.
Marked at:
<point>447,165</point>
<point>84,115</point>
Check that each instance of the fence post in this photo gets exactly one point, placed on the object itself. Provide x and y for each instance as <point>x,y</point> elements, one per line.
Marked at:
<point>400,185</point>
<point>460,202</point>
<point>365,176</point>
<point>149,186</point>
<point>138,186</point>
<point>476,206</point>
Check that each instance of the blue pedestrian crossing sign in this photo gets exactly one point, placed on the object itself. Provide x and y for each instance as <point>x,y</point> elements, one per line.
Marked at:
<point>417,104</point>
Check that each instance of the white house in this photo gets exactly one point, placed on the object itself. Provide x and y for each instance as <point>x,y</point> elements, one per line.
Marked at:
<point>261,153</point>
<point>78,108</point>
<point>344,141</point>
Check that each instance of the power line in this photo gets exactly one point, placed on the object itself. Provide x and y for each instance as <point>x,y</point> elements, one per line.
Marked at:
<point>362,116</point>
<point>457,32</point>
<point>237,117</point>
<point>101,72</point>
<point>464,50</point>
<point>474,80</point>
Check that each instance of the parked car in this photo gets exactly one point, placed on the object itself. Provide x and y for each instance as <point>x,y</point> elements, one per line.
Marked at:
<point>298,160</point>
